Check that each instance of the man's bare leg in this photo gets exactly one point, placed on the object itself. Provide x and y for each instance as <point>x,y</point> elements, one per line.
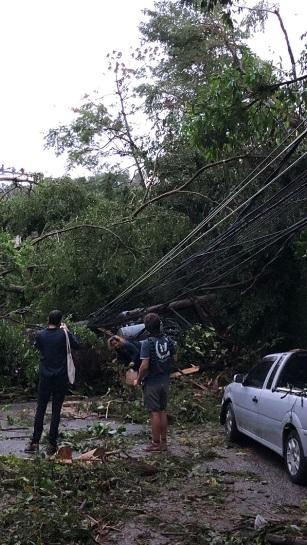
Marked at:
<point>163,429</point>
<point>155,427</point>
<point>155,446</point>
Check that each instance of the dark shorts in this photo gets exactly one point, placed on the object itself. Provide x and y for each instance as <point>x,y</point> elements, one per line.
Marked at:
<point>155,396</point>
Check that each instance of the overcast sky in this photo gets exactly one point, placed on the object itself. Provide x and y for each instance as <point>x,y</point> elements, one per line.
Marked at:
<point>54,51</point>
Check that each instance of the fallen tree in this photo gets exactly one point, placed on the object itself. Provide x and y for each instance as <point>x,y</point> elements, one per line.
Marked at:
<point>196,303</point>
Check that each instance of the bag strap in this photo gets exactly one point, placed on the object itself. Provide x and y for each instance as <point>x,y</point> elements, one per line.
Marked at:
<point>68,348</point>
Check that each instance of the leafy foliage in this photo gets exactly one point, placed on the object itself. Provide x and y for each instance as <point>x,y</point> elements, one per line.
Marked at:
<point>19,360</point>
<point>51,203</point>
<point>83,267</point>
<point>214,353</point>
<point>203,346</point>
<point>49,501</point>
<point>58,504</point>
<point>86,337</point>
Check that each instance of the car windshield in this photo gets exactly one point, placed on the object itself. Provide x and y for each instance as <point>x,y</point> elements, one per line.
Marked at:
<point>294,374</point>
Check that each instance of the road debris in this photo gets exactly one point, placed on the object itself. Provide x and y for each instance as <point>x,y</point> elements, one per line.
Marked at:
<point>260,522</point>
<point>188,371</point>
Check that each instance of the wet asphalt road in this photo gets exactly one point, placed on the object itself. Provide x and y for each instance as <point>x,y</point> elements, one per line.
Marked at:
<point>271,492</point>
<point>16,425</point>
<point>271,489</point>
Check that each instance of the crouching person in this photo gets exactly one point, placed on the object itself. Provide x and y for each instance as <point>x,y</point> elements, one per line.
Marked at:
<point>53,379</point>
<point>127,352</point>
<point>157,355</point>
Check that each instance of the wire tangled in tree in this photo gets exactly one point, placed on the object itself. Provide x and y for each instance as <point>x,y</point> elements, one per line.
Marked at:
<point>268,208</point>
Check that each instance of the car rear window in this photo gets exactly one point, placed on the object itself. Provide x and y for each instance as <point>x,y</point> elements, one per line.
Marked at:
<point>294,374</point>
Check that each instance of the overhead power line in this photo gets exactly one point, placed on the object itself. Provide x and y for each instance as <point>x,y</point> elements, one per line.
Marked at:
<point>196,236</point>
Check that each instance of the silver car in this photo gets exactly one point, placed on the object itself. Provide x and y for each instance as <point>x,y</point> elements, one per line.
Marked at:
<point>269,404</point>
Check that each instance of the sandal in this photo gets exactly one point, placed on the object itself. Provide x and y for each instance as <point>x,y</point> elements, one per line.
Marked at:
<point>153,447</point>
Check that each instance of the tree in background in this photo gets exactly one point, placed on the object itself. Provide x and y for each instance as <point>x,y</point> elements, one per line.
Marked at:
<point>195,110</point>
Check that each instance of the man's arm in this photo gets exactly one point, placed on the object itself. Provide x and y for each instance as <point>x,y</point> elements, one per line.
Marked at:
<point>133,352</point>
<point>145,359</point>
<point>74,343</point>
<point>143,370</point>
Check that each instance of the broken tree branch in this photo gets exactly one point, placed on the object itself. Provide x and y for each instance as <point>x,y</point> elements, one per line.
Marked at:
<point>205,197</point>
<point>189,181</point>
<point>285,33</point>
<point>283,29</point>
<point>82,226</point>
<point>13,288</point>
<point>97,320</point>
<point>133,147</point>
<point>6,271</point>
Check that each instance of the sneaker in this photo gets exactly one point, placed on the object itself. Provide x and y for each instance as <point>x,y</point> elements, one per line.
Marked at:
<point>51,449</point>
<point>153,447</point>
<point>163,445</point>
<point>32,448</point>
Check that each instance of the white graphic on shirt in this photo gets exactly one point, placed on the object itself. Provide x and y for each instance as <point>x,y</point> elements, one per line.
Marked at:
<point>162,350</point>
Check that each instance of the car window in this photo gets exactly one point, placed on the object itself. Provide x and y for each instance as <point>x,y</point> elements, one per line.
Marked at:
<point>294,374</point>
<point>272,376</point>
<point>258,374</point>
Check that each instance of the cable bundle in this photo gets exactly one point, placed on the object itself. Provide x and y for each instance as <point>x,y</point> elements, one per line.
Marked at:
<point>268,216</point>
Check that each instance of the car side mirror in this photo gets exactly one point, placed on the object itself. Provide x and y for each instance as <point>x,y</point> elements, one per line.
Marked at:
<point>238,378</point>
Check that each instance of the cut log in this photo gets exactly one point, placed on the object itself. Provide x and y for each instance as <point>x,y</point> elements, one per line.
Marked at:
<point>97,454</point>
<point>188,371</point>
<point>184,375</point>
<point>63,455</point>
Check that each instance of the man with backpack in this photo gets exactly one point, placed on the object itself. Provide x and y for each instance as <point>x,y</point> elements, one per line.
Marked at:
<point>157,356</point>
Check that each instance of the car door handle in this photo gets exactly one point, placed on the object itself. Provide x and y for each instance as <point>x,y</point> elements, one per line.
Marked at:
<point>255,399</point>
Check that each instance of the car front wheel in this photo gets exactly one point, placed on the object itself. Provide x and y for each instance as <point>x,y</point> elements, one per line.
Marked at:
<point>231,429</point>
<point>295,460</point>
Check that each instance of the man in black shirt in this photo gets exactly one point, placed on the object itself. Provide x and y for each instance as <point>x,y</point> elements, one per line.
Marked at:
<point>53,380</point>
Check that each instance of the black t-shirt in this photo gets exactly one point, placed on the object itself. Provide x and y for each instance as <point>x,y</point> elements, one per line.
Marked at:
<point>129,352</point>
<point>160,351</point>
<point>51,343</point>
